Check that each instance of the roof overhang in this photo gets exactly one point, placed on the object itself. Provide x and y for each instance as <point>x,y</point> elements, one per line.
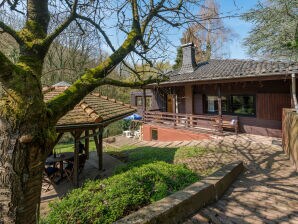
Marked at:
<point>90,126</point>
<point>264,77</point>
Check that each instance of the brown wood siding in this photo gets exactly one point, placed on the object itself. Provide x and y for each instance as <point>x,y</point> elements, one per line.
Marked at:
<point>270,105</point>
<point>198,104</point>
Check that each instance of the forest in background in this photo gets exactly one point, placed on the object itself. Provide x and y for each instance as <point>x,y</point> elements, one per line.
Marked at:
<point>75,51</point>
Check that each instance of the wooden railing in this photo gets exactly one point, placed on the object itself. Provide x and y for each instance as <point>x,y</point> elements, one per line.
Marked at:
<point>180,120</point>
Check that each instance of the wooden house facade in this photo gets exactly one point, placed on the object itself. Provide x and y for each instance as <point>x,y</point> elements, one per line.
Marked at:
<point>216,95</point>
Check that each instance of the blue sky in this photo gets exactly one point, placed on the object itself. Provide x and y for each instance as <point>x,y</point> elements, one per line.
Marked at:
<point>227,7</point>
<point>238,26</point>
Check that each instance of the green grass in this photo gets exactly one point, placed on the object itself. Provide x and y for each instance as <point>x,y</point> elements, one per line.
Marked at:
<point>69,147</point>
<point>188,152</point>
<point>105,201</point>
<point>149,174</point>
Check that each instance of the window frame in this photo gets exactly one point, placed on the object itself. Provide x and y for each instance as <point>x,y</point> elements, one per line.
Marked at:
<point>229,104</point>
<point>154,130</point>
<point>148,106</point>
<point>141,100</point>
<point>243,115</point>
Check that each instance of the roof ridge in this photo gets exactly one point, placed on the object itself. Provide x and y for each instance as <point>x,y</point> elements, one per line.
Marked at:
<point>47,89</point>
<point>91,112</point>
<point>250,60</point>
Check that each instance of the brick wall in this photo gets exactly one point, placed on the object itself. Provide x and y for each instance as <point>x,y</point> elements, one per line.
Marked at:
<point>290,134</point>
<point>171,134</point>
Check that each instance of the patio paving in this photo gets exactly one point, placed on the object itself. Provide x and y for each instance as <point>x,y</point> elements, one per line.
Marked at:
<point>266,193</point>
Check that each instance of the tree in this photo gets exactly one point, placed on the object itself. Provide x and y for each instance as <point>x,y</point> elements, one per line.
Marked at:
<point>27,123</point>
<point>209,36</point>
<point>275,34</point>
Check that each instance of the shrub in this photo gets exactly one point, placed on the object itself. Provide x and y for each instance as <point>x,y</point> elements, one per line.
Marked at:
<point>105,201</point>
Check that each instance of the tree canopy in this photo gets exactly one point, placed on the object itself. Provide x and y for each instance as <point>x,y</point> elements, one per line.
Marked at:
<point>275,31</point>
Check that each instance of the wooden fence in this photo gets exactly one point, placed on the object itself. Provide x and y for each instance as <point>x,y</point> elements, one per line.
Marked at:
<point>181,120</point>
<point>290,134</point>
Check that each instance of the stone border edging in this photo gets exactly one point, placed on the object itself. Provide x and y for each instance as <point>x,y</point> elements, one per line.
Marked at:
<point>180,205</point>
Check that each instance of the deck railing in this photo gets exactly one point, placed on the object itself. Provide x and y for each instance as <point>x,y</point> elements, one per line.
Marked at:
<point>180,120</point>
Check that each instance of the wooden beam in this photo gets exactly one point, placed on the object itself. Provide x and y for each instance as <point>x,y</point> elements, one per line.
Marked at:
<point>87,143</point>
<point>100,151</point>
<point>219,108</point>
<point>89,136</point>
<point>144,100</point>
<point>98,144</point>
<point>58,138</point>
<point>76,135</point>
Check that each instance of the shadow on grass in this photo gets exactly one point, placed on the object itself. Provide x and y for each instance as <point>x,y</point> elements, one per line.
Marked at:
<point>136,157</point>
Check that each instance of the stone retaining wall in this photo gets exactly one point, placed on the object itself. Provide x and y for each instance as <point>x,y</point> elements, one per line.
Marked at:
<point>180,205</point>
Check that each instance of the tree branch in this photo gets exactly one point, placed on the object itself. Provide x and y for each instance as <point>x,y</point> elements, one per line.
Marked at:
<point>50,38</point>
<point>11,32</point>
<point>97,26</point>
<point>136,84</point>
<point>90,80</point>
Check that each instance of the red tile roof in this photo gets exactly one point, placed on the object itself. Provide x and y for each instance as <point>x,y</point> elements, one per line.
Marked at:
<point>93,109</point>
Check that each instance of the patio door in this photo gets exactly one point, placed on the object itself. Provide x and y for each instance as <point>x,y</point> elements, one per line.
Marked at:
<point>171,103</point>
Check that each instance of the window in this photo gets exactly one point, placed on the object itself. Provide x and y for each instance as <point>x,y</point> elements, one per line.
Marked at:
<point>139,100</point>
<point>243,105</point>
<point>154,134</point>
<point>212,104</point>
<point>148,101</point>
<point>234,104</point>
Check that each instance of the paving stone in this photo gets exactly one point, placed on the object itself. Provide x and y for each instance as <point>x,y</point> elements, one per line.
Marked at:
<point>266,193</point>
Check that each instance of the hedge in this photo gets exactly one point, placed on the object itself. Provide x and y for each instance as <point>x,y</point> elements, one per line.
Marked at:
<point>105,201</point>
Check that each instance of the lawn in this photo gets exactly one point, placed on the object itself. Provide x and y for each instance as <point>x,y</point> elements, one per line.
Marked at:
<point>135,156</point>
<point>148,174</point>
<point>69,147</point>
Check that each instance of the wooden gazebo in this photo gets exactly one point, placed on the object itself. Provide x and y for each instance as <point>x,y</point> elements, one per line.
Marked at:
<point>87,119</point>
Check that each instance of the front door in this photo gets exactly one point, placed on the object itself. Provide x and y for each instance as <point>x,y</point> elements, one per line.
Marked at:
<point>170,103</point>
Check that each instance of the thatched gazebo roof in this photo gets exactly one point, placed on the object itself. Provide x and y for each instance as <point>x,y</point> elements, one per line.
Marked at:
<point>92,114</point>
<point>94,110</point>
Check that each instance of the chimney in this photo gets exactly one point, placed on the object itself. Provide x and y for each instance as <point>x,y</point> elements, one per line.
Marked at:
<point>188,58</point>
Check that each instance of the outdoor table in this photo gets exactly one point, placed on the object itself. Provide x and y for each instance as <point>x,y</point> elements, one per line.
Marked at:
<point>59,159</point>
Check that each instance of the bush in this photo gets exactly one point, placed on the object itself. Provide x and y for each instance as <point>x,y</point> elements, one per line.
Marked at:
<point>105,201</point>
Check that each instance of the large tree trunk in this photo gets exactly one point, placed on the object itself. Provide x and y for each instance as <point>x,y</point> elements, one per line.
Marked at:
<point>26,137</point>
<point>21,168</point>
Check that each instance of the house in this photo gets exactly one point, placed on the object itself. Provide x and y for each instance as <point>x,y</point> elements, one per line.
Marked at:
<point>137,100</point>
<point>217,95</point>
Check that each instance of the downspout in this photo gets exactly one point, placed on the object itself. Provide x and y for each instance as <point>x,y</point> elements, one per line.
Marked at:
<point>294,92</point>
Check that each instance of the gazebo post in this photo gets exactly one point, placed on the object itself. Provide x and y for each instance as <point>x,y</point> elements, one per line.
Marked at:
<point>98,144</point>
<point>100,149</point>
<point>87,143</point>
<point>76,136</point>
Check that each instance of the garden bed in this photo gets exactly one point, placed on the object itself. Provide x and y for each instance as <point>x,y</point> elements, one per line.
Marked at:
<point>105,201</point>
